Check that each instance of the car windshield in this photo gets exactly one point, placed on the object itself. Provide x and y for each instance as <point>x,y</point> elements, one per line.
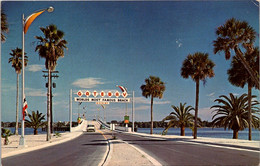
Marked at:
<point>90,125</point>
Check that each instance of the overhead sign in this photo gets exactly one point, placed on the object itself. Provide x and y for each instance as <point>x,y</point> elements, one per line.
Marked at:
<point>126,119</point>
<point>102,102</point>
<point>101,94</point>
<point>113,100</point>
<point>79,93</point>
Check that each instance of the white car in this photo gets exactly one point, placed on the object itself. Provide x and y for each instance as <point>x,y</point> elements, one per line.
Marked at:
<point>91,127</point>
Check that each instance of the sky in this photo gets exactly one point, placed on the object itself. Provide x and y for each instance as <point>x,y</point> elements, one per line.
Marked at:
<point>121,43</point>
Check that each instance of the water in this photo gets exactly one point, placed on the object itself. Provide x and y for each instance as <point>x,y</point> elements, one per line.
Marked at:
<point>29,131</point>
<point>202,132</point>
<point>206,132</point>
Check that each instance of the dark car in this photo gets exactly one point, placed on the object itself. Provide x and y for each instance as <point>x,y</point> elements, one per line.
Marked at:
<point>102,127</point>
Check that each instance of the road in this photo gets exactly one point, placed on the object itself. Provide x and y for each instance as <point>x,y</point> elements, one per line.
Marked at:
<point>88,149</point>
<point>176,152</point>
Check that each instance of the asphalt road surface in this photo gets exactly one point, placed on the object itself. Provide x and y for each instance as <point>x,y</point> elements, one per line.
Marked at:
<point>176,152</point>
<point>88,149</point>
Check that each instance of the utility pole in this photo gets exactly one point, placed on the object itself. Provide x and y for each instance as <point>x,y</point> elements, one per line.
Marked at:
<point>53,75</point>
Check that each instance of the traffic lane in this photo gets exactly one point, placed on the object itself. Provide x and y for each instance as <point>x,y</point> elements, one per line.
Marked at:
<point>173,152</point>
<point>88,149</point>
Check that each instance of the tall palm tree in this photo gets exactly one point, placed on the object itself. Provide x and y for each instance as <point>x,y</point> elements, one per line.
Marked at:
<point>153,88</point>
<point>232,113</point>
<point>197,66</point>
<point>51,48</point>
<point>239,76</point>
<point>4,26</point>
<point>181,117</point>
<point>36,121</point>
<point>233,34</point>
<point>16,61</point>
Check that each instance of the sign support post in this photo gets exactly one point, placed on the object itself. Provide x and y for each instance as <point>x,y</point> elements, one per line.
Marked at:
<point>70,109</point>
<point>133,114</point>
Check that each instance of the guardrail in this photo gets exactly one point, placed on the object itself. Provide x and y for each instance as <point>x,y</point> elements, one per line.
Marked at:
<point>120,128</point>
<point>81,127</point>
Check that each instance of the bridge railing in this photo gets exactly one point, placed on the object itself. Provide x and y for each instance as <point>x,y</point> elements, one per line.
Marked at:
<point>81,127</point>
<point>107,126</point>
<point>120,128</point>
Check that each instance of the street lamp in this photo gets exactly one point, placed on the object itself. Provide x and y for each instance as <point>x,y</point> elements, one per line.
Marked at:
<point>26,24</point>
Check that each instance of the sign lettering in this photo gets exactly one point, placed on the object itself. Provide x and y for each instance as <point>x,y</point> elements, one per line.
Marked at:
<point>115,100</point>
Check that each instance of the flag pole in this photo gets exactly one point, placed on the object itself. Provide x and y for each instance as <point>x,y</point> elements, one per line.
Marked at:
<point>22,141</point>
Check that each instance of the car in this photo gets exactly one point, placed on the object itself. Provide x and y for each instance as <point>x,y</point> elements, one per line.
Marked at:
<point>102,127</point>
<point>91,127</point>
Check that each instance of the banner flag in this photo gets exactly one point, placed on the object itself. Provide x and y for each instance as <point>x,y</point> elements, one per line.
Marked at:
<point>30,19</point>
<point>25,106</point>
<point>123,89</point>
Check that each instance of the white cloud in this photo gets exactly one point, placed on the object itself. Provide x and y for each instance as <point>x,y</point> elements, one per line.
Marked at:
<point>205,114</point>
<point>8,88</point>
<point>143,107</point>
<point>143,100</point>
<point>87,82</point>
<point>35,92</point>
<point>35,68</point>
<point>211,94</point>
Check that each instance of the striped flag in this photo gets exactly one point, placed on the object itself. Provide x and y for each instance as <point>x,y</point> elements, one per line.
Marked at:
<point>30,19</point>
<point>123,89</point>
<point>25,106</point>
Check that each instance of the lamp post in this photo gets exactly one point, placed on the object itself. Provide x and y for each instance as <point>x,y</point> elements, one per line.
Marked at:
<point>26,24</point>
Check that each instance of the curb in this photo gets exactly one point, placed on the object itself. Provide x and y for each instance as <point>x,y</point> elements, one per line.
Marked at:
<point>150,158</point>
<point>197,141</point>
<point>107,154</point>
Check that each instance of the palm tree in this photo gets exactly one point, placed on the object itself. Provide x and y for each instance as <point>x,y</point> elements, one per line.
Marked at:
<point>6,133</point>
<point>35,121</point>
<point>197,66</point>
<point>232,34</point>
<point>233,113</point>
<point>16,61</point>
<point>239,76</point>
<point>153,88</point>
<point>51,47</point>
<point>4,26</point>
<point>181,117</point>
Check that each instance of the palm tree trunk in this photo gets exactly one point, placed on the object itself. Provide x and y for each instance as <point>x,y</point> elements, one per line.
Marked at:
<point>246,65</point>
<point>249,112</point>
<point>48,106</point>
<point>196,108</point>
<point>235,134</point>
<point>151,132</point>
<point>17,104</point>
<point>51,115</point>
<point>182,130</point>
<point>35,131</point>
